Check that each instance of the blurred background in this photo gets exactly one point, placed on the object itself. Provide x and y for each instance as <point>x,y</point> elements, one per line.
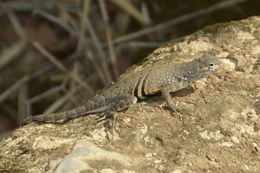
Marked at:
<point>54,54</point>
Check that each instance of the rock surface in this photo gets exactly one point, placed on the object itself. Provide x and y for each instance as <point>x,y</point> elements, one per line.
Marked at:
<point>217,129</point>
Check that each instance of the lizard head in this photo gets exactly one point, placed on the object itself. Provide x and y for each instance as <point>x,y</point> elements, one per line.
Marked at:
<point>208,64</point>
<point>203,67</point>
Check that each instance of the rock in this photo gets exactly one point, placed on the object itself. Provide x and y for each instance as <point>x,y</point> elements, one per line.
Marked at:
<point>217,129</point>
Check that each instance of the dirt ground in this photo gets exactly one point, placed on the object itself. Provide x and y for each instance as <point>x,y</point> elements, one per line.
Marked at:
<point>215,130</point>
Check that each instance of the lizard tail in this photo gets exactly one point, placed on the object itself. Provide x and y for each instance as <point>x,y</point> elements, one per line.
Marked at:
<point>96,105</point>
<point>79,111</point>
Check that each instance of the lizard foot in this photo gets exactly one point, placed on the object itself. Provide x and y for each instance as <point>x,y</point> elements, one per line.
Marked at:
<point>173,110</point>
<point>105,116</point>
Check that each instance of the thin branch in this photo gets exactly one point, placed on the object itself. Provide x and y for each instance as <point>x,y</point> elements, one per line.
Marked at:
<point>109,36</point>
<point>82,43</point>
<point>9,54</point>
<point>56,20</point>
<point>16,24</point>
<point>82,31</point>
<point>145,12</point>
<point>48,55</point>
<point>29,77</point>
<point>61,100</point>
<point>13,88</point>
<point>130,9</point>
<point>72,85</point>
<point>49,92</point>
<point>99,50</point>
<point>29,6</point>
<point>45,94</point>
<point>177,20</point>
<point>89,55</point>
<point>21,103</point>
<point>141,44</point>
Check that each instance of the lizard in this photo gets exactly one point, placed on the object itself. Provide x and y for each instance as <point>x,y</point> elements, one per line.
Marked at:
<point>162,76</point>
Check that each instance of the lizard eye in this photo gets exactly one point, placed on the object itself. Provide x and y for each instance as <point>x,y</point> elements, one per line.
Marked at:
<point>211,65</point>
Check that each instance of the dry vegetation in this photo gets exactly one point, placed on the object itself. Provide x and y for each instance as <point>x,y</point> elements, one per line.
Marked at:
<point>54,54</point>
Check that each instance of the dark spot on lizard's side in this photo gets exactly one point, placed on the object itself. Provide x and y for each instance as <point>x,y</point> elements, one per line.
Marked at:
<point>136,87</point>
<point>144,86</point>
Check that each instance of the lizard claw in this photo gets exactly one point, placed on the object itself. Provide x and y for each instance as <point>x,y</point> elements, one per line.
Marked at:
<point>172,109</point>
<point>105,115</point>
<point>175,110</point>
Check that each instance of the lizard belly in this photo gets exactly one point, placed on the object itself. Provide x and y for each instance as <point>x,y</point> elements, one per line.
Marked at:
<point>146,93</point>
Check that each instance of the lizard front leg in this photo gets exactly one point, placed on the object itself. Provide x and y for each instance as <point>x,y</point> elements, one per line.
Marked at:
<point>165,91</point>
<point>166,95</point>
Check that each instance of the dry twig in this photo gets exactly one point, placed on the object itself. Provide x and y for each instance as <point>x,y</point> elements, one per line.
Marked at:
<point>29,77</point>
<point>12,52</point>
<point>100,52</point>
<point>13,88</point>
<point>130,9</point>
<point>55,20</point>
<point>25,6</point>
<point>176,21</point>
<point>48,55</point>
<point>22,98</point>
<point>109,36</point>
<point>45,94</point>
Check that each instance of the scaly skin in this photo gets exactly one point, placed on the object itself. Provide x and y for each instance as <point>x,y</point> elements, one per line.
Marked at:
<point>162,76</point>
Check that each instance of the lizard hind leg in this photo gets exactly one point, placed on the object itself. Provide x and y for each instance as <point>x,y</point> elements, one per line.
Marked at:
<point>116,104</point>
<point>121,102</point>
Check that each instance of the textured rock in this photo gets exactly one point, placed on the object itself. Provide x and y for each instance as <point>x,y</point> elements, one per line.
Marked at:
<point>217,129</point>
